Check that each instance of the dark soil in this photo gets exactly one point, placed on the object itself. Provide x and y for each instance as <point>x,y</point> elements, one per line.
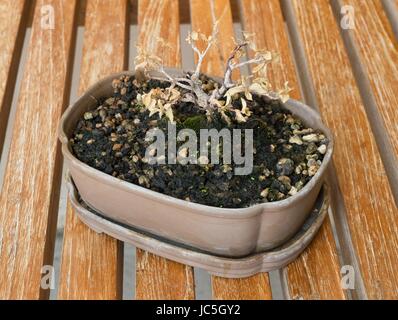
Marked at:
<point>111,138</point>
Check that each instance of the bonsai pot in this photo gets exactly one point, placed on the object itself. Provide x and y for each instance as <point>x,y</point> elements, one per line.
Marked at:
<point>226,232</point>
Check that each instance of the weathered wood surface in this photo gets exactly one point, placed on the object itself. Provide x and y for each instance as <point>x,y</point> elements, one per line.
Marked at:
<point>92,263</point>
<point>252,288</point>
<point>371,212</point>
<point>306,279</point>
<point>29,198</point>
<point>156,277</point>
<point>376,48</point>
<point>13,16</point>
<point>256,287</point>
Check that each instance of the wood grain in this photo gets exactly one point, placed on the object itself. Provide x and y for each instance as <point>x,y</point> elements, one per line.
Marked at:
<point>156,277</point>
<point>91,265</point>
<point>13,17</point>
<point>306,279</point>
<point>256,287</point>
<point>371,212</point>
<point>29,198</point>
<point>377,47</point>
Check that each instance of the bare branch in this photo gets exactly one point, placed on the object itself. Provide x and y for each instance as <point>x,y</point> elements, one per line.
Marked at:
<point>201,54</point>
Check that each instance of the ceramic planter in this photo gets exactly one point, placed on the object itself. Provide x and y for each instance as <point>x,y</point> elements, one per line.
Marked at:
<point>219,231</point>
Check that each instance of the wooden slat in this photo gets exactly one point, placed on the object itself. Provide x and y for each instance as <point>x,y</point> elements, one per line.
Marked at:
<point>28,202</point>
<point>252,288</point>
<point>371,212</point>
<point>377,47</point>
<point>13,16</point>
<point>256,287</point>
<point>306,279</point>
<point>91,265</point>
<point>156,277</point>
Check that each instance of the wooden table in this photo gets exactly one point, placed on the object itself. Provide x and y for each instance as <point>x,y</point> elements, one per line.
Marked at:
<point>350,75</point>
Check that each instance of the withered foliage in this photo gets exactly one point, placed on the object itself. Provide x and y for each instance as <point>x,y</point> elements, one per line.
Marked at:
<point>222,95</point>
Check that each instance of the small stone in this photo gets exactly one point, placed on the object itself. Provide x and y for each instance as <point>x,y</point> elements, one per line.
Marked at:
<point>311,162</point>
<point>299,185</point>
<point>110,101</point>
<point>322,149</point>
<point>311,148</point>
<point>264,193</point>
<point>287,147</point>
<point>226,168</point>
<point>88,116</point>
<point>267,172</point>
<point>280,196</point>
<point>292,191</point>
<point>272,148</point>
<point>90,141</point>
<point>285,181</point>
<point>135,158</point>
<point>116,83</point>
<point>296,140</point>
<point>285,166</point>
<point>312,170</point>
<point>123,91</point>
<point>304,131</point>
<point>161,159</point>
<point>136,121</point>
<point>311,137</point>
<point>116,146</point>
<point>183,153</point>
<point>142,180</point>
<point>152,152</point>
<point>203,160</point>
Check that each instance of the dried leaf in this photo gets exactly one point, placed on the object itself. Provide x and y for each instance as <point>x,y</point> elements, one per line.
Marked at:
<point>238,115</point>
<point>194,36</point>
<point>225,117</point>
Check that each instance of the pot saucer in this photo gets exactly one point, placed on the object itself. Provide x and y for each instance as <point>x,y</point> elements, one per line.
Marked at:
<point>214,264</point>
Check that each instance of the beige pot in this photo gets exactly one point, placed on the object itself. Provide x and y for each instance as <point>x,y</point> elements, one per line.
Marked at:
<point>220,231</point>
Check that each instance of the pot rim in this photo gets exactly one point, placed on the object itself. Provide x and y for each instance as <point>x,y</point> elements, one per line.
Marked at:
<point>205,209</point>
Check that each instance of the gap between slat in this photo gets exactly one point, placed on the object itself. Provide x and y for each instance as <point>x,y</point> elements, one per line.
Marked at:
<point>348,255</point>
<point>74,84</point>
<point>129,261</point>
<point>391,9</point>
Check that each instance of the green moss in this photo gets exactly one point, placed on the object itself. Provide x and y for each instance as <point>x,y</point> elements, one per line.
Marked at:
<point>195,123</point>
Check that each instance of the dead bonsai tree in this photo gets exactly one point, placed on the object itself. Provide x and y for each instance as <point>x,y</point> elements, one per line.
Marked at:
<point>221,97</point>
